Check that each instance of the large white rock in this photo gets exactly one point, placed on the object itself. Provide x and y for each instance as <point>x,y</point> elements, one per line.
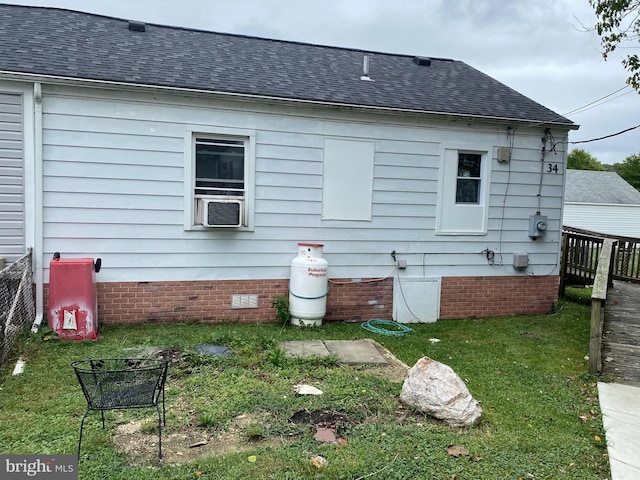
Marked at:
<point>435,389</point>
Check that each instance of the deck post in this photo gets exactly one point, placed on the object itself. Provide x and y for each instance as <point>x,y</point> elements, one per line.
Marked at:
<point>595,337</point>
<point>565,261</point>
<point>598,299</point>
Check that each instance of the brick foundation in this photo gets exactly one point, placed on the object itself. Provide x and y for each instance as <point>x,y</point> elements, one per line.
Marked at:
<point>210,301</point>
<point>477,297</point>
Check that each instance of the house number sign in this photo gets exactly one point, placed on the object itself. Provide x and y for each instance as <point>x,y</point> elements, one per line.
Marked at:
<point>552,168</point>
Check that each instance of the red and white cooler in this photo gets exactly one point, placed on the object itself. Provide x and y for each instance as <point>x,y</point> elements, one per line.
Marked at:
<point>73,298</point>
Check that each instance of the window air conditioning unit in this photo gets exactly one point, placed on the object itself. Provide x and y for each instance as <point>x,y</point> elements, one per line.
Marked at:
<point>221,213</point>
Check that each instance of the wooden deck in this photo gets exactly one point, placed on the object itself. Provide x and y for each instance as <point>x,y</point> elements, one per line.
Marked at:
<point>621,334</point>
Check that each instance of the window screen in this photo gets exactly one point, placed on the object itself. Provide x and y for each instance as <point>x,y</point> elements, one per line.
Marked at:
<point>219,167</point>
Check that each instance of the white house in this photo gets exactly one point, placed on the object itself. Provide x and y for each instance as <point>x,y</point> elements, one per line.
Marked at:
<point>601,202</point>
<point>193,163</point>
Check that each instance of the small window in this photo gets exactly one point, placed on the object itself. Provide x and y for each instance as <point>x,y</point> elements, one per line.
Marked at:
<point>468,180</point>
<point>220,167</point>
<point>463,193</point>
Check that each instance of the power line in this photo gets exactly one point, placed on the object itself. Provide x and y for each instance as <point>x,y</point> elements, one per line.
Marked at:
<point>592,104</point>
<point>607,136</point>
<point>588,106</point>
<point>598,103</point>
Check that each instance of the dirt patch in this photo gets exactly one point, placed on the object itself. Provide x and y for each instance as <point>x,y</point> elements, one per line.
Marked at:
<point>186,444</point>
<point>394,370</point>
<point>189,442</point>
<point>322,418</point>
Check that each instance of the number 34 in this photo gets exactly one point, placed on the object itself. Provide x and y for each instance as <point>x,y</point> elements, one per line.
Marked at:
<point>552,168</point>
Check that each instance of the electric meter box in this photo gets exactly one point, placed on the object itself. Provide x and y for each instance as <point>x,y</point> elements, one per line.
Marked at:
<point>537,226</point>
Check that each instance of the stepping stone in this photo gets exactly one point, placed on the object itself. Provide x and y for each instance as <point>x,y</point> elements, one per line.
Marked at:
<point>354,352</point>
<point>213,350</point>
<point>305,348</point>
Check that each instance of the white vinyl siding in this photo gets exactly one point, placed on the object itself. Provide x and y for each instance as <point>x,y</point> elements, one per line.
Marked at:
<point>11,177</point>
<point>610,219</point>
<point>116,180</point>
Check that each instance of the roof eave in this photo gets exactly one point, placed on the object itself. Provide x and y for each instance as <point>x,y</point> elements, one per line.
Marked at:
<point>71,81</point>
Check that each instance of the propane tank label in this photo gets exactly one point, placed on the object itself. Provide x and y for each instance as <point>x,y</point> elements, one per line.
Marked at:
<point>316,272</point>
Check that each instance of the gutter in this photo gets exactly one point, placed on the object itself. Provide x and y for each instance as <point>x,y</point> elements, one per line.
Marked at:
<point>37,255</point>
<point>30,77</point>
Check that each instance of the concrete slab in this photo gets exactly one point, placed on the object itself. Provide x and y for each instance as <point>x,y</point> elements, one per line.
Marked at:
<point>351,352</point>
<point>354,352</point>
<point>623,471</point>
<point>305,348</point>
<point>620,405</point>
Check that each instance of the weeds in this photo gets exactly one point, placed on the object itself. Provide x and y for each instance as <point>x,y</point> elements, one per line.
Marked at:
<point>541,416</point>
<point>281,304</point>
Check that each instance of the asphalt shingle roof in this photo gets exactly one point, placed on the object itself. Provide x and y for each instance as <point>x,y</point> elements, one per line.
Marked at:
<point>76,45</point>
<point>589,186</point>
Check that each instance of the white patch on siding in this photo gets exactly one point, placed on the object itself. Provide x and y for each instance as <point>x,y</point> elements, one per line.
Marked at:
<point>347,186</point>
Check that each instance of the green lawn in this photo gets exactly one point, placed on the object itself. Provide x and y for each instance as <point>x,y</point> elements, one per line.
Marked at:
<point>541,415</point>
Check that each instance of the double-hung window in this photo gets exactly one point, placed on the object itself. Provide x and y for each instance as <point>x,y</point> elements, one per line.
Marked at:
<point>220,169</point>
<point>469,178</point>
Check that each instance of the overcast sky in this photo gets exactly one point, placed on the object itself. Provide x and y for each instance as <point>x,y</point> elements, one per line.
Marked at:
<point>541,48</point>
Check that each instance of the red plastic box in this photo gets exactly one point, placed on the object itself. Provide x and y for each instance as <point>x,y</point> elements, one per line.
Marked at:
<point>73,302</point>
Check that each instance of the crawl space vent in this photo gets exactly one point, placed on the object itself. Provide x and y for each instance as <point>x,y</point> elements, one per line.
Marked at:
<point>244,301</point>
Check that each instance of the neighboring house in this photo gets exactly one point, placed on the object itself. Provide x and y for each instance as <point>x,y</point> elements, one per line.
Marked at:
<point>193,163</point>
<point>601,202</point>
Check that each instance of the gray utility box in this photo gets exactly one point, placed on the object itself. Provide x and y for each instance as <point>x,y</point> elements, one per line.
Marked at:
<point>537,226</point>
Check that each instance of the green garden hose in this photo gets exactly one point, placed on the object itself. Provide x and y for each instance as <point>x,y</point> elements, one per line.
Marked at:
<point>397,331</point>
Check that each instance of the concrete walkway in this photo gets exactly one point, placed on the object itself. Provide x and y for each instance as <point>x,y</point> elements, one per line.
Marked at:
<point>620,405</point>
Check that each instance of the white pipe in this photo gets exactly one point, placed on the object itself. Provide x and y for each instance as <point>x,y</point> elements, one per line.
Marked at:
<point>37,254</point>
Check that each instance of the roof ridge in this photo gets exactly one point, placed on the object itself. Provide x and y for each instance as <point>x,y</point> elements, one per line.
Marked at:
<point>229,34</point>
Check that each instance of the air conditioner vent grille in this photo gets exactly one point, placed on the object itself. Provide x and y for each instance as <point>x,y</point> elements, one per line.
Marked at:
<point>222,213</point>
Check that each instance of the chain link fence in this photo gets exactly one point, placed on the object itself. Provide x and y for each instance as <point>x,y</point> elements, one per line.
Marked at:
<point>17,306</point>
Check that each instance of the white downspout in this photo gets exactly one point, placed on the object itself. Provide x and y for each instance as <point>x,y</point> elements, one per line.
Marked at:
<point>37,254</point>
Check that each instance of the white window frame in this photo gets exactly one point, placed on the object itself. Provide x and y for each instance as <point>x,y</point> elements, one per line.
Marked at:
<point>462,218</point>
<point>190,198</point>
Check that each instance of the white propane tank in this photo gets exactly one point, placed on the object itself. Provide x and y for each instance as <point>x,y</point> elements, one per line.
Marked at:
<point>308,286</point>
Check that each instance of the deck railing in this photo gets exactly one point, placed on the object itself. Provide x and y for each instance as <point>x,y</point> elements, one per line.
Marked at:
<point>581,250</point>
<point>627,259</point>
<point>590,258</point>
